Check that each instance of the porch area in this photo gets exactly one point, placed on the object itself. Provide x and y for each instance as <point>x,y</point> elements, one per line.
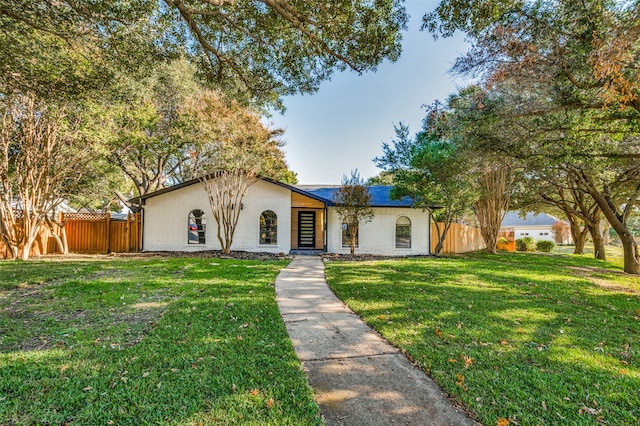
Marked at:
<point>308,225</point>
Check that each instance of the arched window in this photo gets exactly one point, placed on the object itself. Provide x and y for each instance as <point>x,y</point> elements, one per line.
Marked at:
<point>268,228</point>
<point>197,227</point>
<point>403,232</point>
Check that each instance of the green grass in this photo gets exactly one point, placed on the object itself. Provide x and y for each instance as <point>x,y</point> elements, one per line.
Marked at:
<point>614,254</point>
<point>147,341</point>
<point>533,338</point>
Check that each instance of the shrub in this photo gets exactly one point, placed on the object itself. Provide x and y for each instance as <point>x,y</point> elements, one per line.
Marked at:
<point>545,246</point>
<point>526,244</point>
<point>503,240</point>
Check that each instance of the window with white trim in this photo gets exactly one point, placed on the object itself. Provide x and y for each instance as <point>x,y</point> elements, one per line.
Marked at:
<point>197,227</point>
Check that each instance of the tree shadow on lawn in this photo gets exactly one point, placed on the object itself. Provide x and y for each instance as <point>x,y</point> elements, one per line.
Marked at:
<point>510,338</point>
<point>214,352</point>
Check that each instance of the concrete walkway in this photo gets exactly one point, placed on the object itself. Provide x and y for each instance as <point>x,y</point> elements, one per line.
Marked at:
<point>359,379</point>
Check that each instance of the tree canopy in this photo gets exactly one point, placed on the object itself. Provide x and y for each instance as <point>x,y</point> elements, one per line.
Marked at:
<point>257,51</point>
<point>558,93</point>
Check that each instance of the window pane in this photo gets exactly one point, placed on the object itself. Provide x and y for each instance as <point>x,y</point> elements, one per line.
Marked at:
<point>268,228</point>
<point>403,232</point>
<point>197,227</point>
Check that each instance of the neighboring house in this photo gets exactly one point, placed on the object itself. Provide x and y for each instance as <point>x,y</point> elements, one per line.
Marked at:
<point>539,226</point>
<point>281,218</point>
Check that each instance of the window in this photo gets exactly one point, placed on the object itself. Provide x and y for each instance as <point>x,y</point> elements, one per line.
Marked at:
<point>403,232</point>
<point>346,233</point>
<point>268,228</point>
<point>197,227</point>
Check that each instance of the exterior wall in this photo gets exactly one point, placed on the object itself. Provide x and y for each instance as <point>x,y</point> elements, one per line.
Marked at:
<point>536,232</point>
<point>379,235</point>
<point>166,219</point>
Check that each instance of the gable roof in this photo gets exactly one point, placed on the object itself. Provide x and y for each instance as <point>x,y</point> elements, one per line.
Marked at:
<point>531,219</point>
<point>140,200</point>
<point>380,195</point>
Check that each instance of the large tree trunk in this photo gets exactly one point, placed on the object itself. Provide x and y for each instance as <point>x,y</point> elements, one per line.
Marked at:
<point>578,234</point>
<point>631,254</point>
<point>618,222</point>
<point>580,240</point>
<point>595,230</point>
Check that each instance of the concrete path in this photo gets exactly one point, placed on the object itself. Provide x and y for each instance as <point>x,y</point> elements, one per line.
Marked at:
<point>359,378</point>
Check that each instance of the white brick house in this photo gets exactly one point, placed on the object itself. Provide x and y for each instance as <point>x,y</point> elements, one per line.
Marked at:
<point>280,218</point>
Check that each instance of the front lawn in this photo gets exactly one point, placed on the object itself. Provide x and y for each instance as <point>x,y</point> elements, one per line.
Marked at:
<point>147,341</point>
<point>527,338</point>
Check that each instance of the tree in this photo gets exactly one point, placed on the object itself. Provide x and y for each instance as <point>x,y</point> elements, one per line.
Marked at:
<point>43,156</point>
<point>495,183</point>
<point>257,51</point>
<point>586,52</point>
<point>353,205</point>
<point>432,170</point>
<point>168,129</point>
<point>237,148</point>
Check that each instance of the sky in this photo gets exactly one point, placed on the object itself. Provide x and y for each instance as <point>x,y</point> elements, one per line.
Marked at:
<point>342,126</point>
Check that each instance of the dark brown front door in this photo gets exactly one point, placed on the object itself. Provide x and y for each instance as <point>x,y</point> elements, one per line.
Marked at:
<point>306,229</point>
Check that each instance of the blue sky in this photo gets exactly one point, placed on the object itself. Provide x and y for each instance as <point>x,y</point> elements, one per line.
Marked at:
<point>343,125</point>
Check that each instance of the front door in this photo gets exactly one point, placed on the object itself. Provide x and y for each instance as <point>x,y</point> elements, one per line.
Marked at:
<point>306,229</point>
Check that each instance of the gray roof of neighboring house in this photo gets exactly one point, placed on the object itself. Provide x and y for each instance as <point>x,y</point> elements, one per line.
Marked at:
<point>380,195</point>
<point>531,219</point>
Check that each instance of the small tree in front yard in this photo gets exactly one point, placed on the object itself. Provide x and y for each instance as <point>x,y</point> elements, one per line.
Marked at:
<point>353,205</point>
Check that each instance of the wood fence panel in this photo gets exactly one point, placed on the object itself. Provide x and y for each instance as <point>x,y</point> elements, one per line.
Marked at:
<point>90,233</point>
<point>43,244</point>
<point>87,233</point>
<point>460,239</point>
<point>97,233</point>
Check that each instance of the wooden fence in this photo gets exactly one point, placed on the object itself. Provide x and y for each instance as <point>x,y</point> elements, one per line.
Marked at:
<point>90,233</point>
<point>43,244</point>
<point>460,239</point>
<point>98,233</point>
<point>507,234</point>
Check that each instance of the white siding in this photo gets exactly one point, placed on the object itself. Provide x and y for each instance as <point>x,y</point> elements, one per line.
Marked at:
<point>536,232</point>
<point>166,216</point>
<point>379,235</point>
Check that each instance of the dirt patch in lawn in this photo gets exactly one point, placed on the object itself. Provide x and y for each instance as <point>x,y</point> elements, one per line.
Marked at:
<point>34,319</point>
<point>590,273</point>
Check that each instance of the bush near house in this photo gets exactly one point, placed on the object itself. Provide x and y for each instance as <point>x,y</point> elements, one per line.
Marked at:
<point>526,244</point>
<point>545,246</point>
